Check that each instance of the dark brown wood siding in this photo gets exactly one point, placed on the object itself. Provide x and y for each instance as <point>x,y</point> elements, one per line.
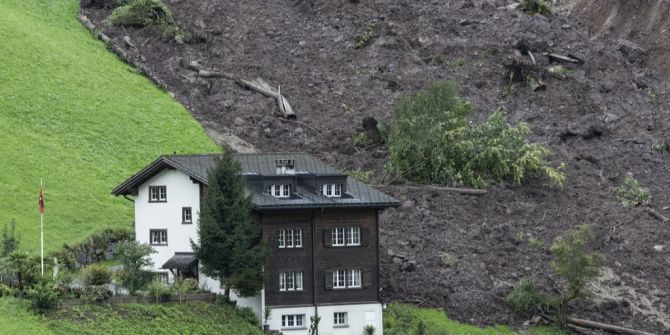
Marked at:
<point>288,259</point>
<point>362,257</point>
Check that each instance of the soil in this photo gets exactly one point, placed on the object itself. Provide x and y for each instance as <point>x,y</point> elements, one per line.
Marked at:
<point>605,119</point>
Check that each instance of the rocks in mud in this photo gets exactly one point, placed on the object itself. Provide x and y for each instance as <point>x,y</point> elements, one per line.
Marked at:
<point>631,51</point>
<point>586,127</point>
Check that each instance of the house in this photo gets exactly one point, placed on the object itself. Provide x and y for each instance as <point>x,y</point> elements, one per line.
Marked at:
<point>321,226</point>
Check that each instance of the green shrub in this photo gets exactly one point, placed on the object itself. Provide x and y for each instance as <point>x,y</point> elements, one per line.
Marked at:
<point>183,286</point>
<point>6,291</point>
<point>631,193</point>
<point>135,257</point>
<point>158,290</point>
<point>362,141</point>
<point>97,274</point>
<point>435,141</point>
<point>369,330</point>
<point>527,298</point>
<point>363,39</point>
<point>141,13</point>
<point>95,294</point>
<point>532,7</point>
<point>43,296</point>
<point>448,260</point>
<point>574,265</point>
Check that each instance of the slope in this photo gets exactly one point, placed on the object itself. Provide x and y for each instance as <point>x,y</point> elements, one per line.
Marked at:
<point>605,118</point>
<point>75,115</point>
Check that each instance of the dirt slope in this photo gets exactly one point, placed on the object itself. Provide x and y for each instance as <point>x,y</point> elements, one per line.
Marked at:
<point>646,23</point>
<point>308,48</point>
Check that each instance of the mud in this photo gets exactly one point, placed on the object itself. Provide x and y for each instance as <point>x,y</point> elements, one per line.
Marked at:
<point>308,49</point>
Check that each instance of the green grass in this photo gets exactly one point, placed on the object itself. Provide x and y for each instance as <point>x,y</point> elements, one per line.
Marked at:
<point>405,319</point>
<point>16,319</point>
<point>72,113</point>
<point>187,318</point>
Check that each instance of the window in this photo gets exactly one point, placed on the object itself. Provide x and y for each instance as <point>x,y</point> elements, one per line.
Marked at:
<point>293,321</point>
<point>340,319</point>
<point>354,278</point>
<point>350,236</point>
<point>158,236</point>
<point>338,279</point>
<point>338,237</point>
<point>331,190</point>
<point>186,215</point>
<point>280,191</point>
<point>162,277</point>
<point>157,194</point>
<point>354,236</point>
<point>290,238</point>
<point>285,166</point>
<point>290,281</point>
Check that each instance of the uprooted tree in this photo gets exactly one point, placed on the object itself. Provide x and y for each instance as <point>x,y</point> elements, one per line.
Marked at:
<point>576,267</point>
<point>434,140</point>
<point>230,247</point>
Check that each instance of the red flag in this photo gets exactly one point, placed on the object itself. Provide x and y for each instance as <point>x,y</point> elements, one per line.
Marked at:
<point>40,202</point>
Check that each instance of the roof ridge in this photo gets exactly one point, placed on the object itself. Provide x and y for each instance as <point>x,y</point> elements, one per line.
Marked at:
<point>239,154</point>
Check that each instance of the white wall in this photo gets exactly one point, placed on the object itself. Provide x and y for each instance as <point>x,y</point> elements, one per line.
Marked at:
<point>255,303</point>
<point>357,315</point>
<point>181,192</point>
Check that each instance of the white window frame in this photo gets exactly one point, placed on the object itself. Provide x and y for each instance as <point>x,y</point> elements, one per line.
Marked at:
<point>157,193</point>
<point>158,237</point>
<point>293,321</point>
<point>290,238</point>
<point>339,279</point>
<point>186,215</point>
<point>353,237</point>
<point>331,190</point>
<point>280,191</point>
<point>282,238</point>
<point>354,278</point>
<point>291,281</point>
<point>337,236</point>
<point>340,319</point>
<point>297,238</point>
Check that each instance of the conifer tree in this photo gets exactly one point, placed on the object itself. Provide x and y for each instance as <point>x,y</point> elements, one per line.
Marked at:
<point>230,247</point>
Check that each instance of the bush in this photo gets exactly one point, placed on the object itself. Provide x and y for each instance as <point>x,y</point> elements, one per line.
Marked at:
<point>6,291</point>
<point>369,330</point>
<point>43,296</point>
<point>95,294</point>
<point>158,290</point>
<point>631,193</point>
<point>532,7</point>
<point>448,260</point>
<point>141,13</point>
<point>434,141</point>
<point>576,268</point>
<point>97,274</point>
<point>182,286</point>
<point>134,256</point>
<point>363,39</point>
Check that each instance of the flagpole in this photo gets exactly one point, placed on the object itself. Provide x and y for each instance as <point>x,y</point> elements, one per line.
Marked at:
<point>42,236</point>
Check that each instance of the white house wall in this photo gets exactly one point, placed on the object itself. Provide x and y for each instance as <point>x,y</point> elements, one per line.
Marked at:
<point>181,192</point>
<point>359,316</point>
<point>254,303</point>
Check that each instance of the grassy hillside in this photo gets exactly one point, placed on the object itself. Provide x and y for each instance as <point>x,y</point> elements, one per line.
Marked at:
<point>16,319</point>
<point>187,318</point>
<point>75,115</point>
<point>402,319</point>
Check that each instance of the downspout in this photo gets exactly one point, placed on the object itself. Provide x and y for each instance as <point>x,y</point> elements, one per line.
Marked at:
<point>314,290</point>
<point>125,196</point>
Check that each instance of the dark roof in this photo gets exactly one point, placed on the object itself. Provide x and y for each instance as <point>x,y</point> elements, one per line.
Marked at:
<point>198,166</point>
<point>181,261</point>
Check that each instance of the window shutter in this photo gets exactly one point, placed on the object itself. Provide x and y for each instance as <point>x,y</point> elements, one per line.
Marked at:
<point>275,239</point>
<point>328,239</point>
<point>329,279</point>
<point>365,237</point>
<point>367,278</point>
